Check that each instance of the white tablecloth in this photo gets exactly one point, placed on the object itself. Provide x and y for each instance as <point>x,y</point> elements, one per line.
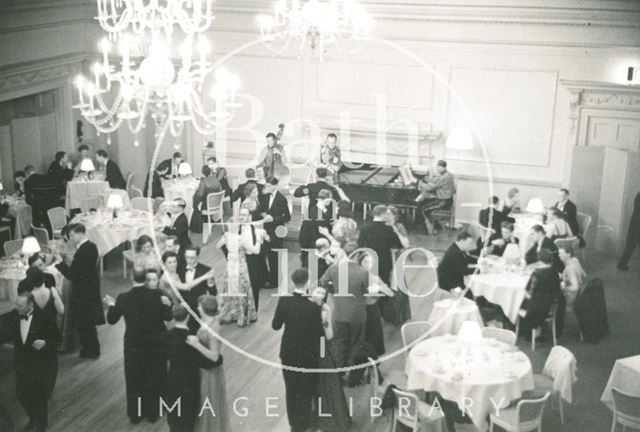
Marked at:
<point>78,190</point>
<point>11,273</point>
<point>477,375</point>
<point>104,196</point>
<point>448,315</point>
<point>625,376</point>
<point>108,233</point>
<point>23,214</point>
<point>505,289</point>
<point>181,188</point>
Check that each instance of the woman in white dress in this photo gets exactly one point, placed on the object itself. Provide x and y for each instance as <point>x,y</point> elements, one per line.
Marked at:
<point>237,297</point>
<point>213,391</point>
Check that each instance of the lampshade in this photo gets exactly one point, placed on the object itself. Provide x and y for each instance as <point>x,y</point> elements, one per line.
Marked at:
<point>459,139</point>
<point>1,187</point>
<point>535,205</point>
<point>184,169</point>
<point>87,165</point>
<point>30,246</point>
<point>511,252</point>
<point>470,331</point>
<point>114,201</point>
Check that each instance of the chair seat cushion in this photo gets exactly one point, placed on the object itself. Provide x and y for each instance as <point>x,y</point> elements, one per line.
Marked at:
<point>429,412</point>
<point>505,417</point>
<point>543,382</point>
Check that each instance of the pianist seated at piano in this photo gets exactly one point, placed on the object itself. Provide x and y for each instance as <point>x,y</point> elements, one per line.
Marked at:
<point>436,193</point>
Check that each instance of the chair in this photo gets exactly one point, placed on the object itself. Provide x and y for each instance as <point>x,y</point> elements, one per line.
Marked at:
<point>626,410</point>
<point>524,417</point>
<point>58,220</point>
<point>213,210</point>
<point>377,387</point>
<point>506,336</point>
<point>558,376</point>
<point>446,215</point>
<point>7,229</point>
<point>412,333</point>
<point>415,414</point>
<point>12,246</point>
<point>570,242</point>
<point>129,183</point>
<point>90,203</point>
<point>584,222</point>
<point>135,193</point>
<point>141,203</point>
<point>551,321</point>
<point>157,203</point>
<point>41,234</point>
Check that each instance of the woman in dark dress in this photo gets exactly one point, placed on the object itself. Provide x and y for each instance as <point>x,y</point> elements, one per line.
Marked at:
<point>330,393</point>
<point>396,310</point>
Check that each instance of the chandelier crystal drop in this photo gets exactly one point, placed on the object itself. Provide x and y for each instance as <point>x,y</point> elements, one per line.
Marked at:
<point>156,88</point>
<point>320,24</point>
<point>139,16</point>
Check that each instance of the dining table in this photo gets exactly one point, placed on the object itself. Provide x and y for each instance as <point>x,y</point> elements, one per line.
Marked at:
<point>478,375</point>
<point>12,270</point>
<point>447,315</point>
<point>625,376</point>
<point>108,232</point>
<point>80,189</point>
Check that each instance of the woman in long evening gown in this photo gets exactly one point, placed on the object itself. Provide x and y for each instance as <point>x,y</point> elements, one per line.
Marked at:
<point>331,398</point>
<point>213,391</point>
<point>237,296</point>
<point>396,310</point>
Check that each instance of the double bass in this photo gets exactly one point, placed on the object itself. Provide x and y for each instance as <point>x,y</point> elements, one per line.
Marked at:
<point>274,161</point>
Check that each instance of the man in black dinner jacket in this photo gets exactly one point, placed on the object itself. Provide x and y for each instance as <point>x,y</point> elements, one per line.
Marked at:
<point>113,174</point>
<point>179,224</point>
<point>454,265</point>
<point>250,175</point>
<point>59,170</point>
<point>300,348</point>
<point>275,212</point>
<point>382,238</point>
<point>193,270</point>
<point>35,345</point>
<point>569,210</point>
<point>542,242</point>
<point>311,190</point>
<point>85,301</point>
<point>491,217</point>
<point>145,310</point>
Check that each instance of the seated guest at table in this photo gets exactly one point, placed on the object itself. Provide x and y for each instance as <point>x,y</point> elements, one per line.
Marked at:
<point>568,210</point>
<point>83,153</point>
<point>220,173</point>
<point>59,169</point>
<point>250,176</point>
<point>349,306</point>
<point>144,255</point>
<point>543,290</point>
<point>86,303</point>
<point>274,213</point>
<point>113,175</point>
<point>574,278</point>
<point>382,238</point>
<point>172,278</point>
<point>498,242</point>
<point>209,183</point>
<point>168,168</point>
<point>436,194</point>
<point>19,177</point>
<point>179,223</point>
<point>542,242</point>
<point>491,217</point>
<point>483,243</point>
<point>145,309</point>
<point>37,262</point>
<point>311,190</point>
<point>455,263</point>
<point>171,245</point>
<point>320,215</point>
<point>345,228</point>
<point>556,227</point>
<point>156,185</point>
<point>511,202</point>
<point>35,360</point>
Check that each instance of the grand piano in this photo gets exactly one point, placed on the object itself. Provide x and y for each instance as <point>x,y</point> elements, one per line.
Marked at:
<point>377,184</point>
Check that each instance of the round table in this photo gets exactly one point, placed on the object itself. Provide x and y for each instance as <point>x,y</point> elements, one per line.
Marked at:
<point>625,376</point>
<point>505,289</point>
<point>108,233</point>
<point>180,188</point>
<point>476,375</point>
<point>448,315</point>
<point>78,190</point>
<point>12,271</point>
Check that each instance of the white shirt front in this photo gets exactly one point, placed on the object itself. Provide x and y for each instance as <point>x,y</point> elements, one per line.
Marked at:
<point>271,198</point>
<point>25,325</point>
<point>189,275</point>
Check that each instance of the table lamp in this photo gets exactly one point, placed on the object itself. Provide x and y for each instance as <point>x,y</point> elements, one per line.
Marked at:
<point>115,202</point>
<point>535,206</point>
<point>184,169</point>
<point>30,247</point>
<point>470,331</point>
<point>87,166</point>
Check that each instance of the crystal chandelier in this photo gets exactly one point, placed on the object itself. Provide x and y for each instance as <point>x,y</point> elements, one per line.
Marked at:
<point>341,24</point>
<point>156,89</point>
<point>117,16</point>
